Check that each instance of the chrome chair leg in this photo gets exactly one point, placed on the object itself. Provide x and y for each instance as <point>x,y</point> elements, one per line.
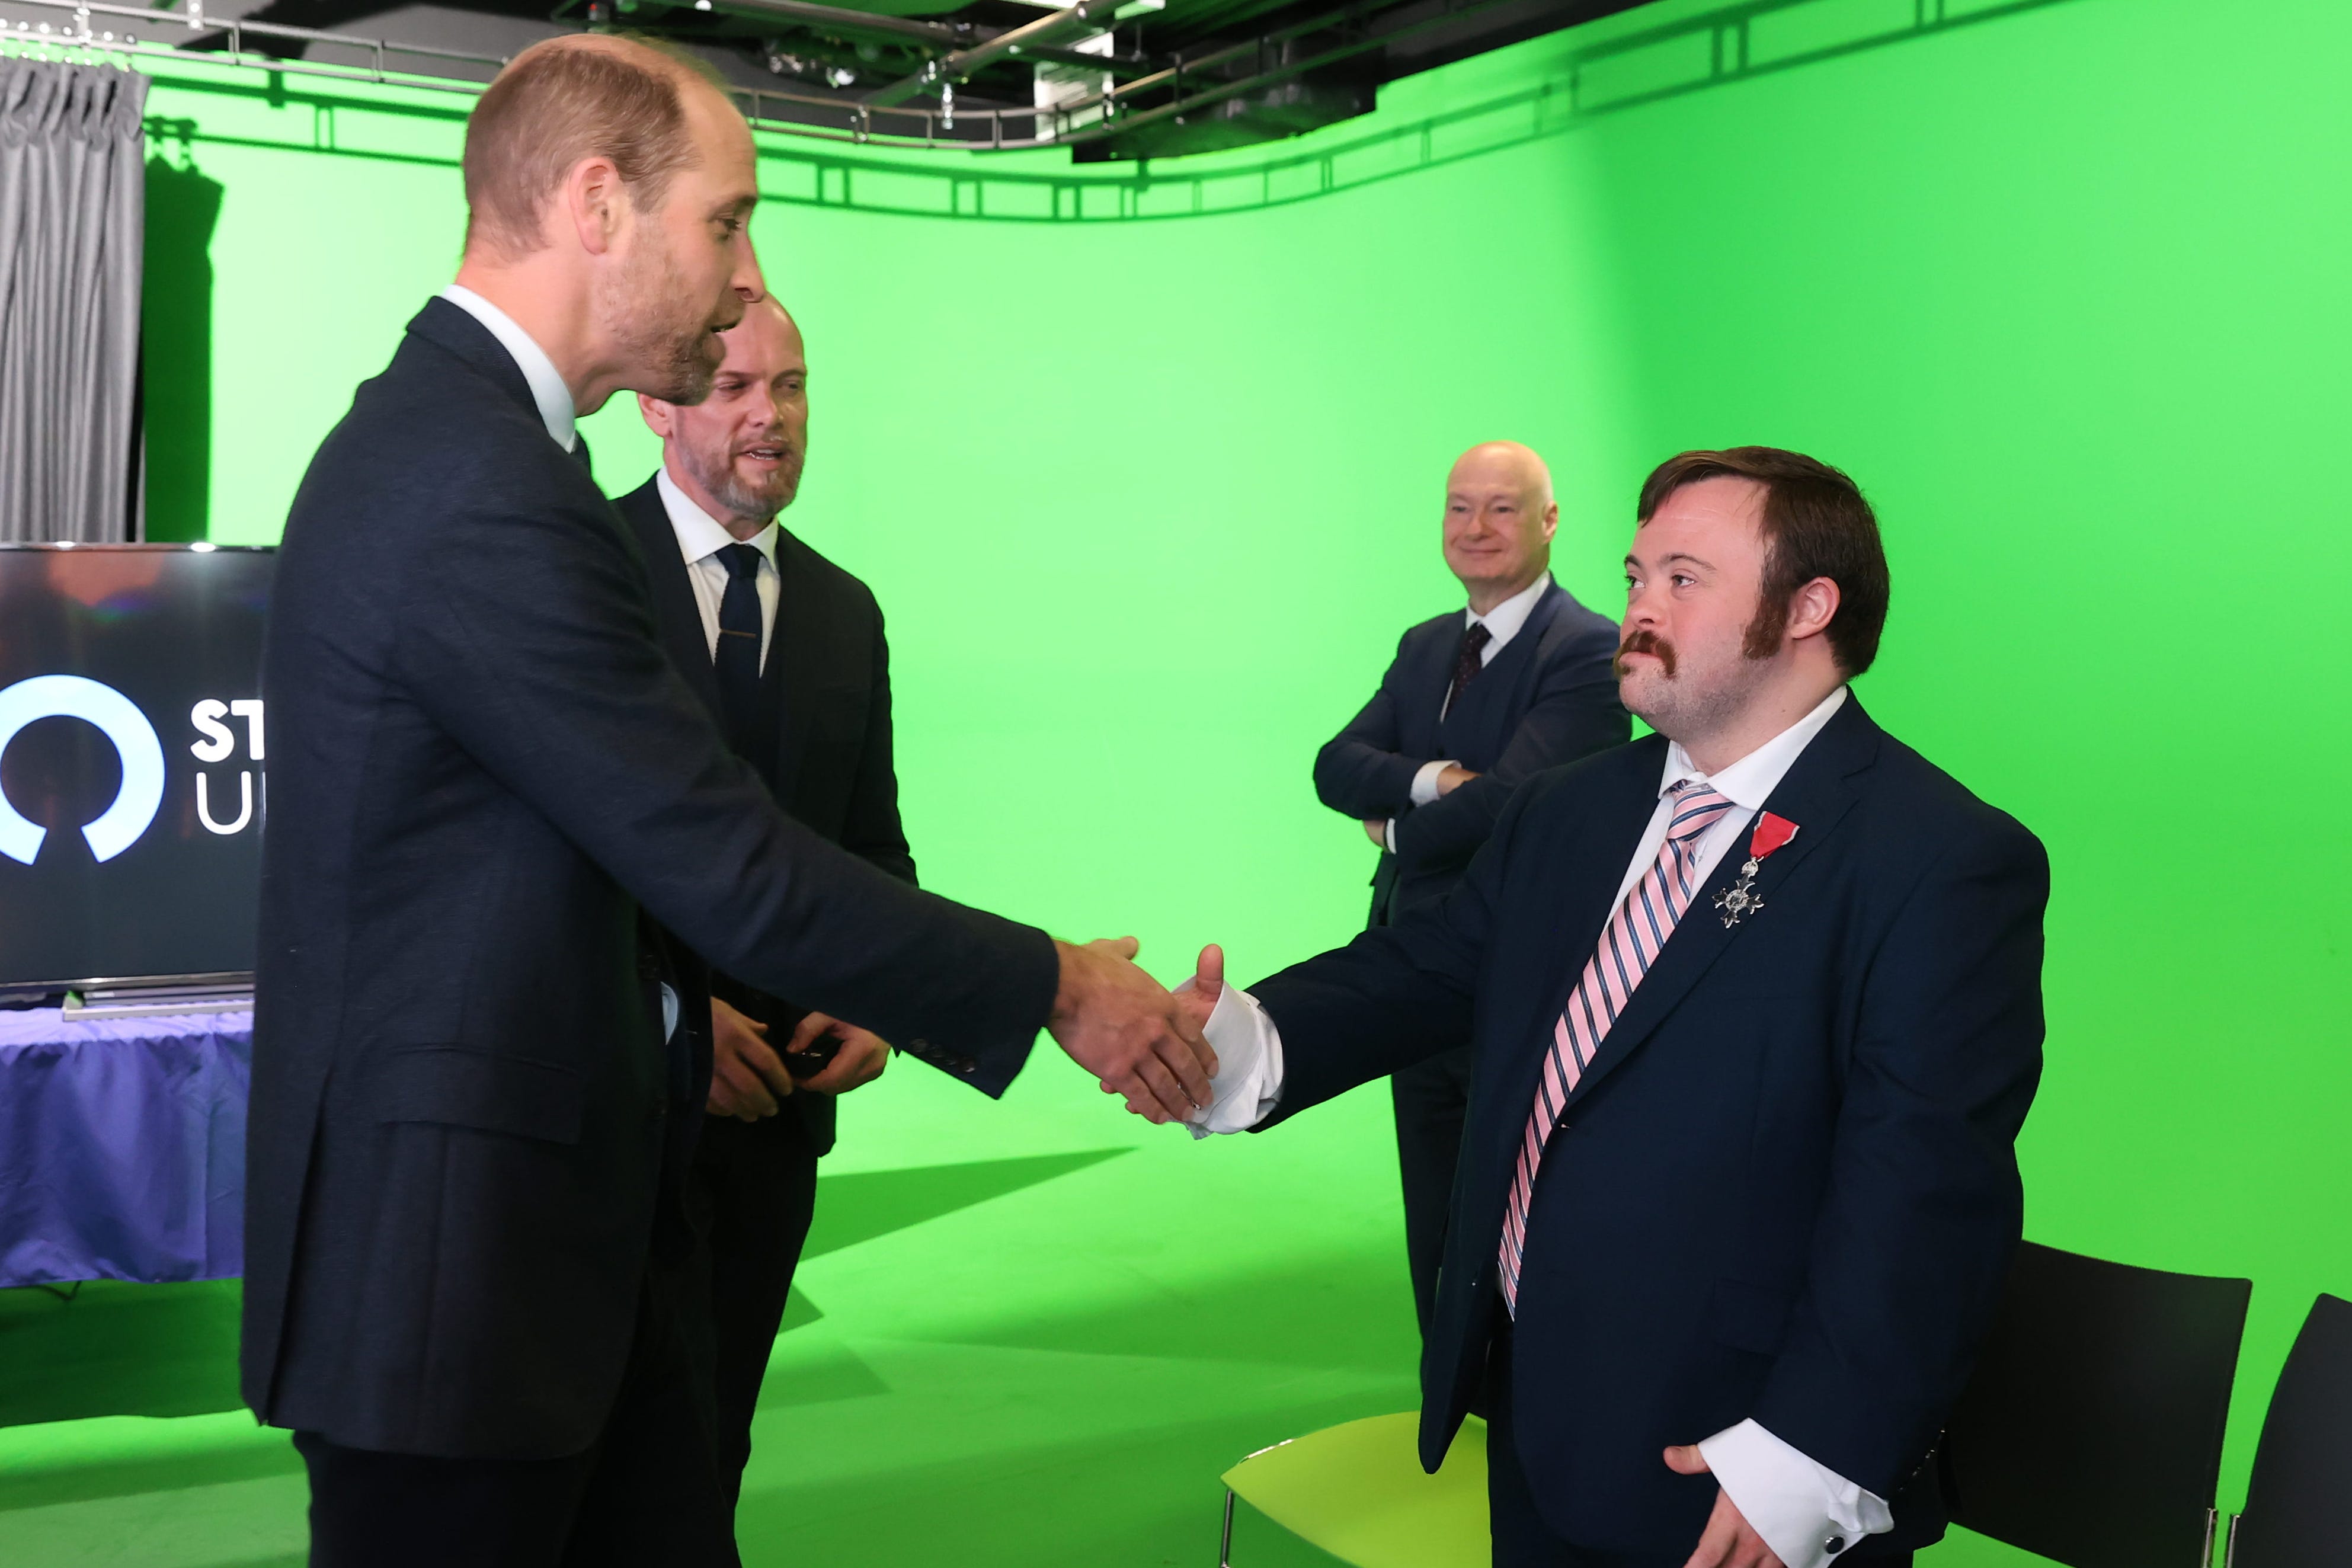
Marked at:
<point>1225,1539</point>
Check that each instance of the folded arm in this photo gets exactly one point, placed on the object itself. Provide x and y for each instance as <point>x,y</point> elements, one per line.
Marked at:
<point>1362,771</point>
<point>1575,713</point>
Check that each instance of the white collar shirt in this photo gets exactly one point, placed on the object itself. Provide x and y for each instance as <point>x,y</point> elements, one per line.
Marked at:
<point>700,538</point>
<point>1746,783</point>
<point>547,388</point>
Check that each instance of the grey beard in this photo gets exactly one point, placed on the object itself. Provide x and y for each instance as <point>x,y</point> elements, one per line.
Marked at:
<point>740,499</point>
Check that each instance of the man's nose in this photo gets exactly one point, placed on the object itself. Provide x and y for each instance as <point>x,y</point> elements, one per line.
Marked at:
<point>749,284</point>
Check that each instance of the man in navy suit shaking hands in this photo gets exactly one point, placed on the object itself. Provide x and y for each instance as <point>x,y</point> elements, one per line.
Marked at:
<point>1757,1009</point>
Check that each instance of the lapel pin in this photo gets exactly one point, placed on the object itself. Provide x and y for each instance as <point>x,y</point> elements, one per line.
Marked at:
<point>1741,899</point>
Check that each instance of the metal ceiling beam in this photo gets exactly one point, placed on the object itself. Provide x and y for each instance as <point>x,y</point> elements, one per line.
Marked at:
<point>1086,16</point>
<point>943,35</point>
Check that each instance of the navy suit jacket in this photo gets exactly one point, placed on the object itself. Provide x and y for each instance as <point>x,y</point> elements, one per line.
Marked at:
<point>825,743</point>
<point>484,775</point>
<point>1785,1189</point>
<point>1547,698</point>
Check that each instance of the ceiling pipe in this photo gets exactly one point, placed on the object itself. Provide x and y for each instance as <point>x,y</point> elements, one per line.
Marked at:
<point>1086,15</point>
<point>854,24</point>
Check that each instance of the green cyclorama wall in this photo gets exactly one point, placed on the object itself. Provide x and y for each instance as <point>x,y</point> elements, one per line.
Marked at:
<point>1144,466</point>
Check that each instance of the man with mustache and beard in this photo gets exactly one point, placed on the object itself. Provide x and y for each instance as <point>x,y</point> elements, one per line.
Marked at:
<point>787,651</point>
<point>479,1062</point>
<point>1756,1003</point>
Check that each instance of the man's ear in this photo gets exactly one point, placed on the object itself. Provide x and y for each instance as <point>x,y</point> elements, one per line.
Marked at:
<point>1813,607</point>
<point>594,203</point>
<point>660,417</point>
<point>1551,520</point>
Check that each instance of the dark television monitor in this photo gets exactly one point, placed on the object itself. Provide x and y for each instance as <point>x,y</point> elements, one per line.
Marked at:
<point>132,746</point>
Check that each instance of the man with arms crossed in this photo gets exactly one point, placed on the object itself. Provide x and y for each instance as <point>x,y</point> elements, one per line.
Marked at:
<point>1475,702</point>
<point>475,1073</point>
<point>1757,1006</point>
<point>786,651</point>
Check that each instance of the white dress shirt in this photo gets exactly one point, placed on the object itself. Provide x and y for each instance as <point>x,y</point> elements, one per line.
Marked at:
<point>1797,1506</point>
<point>700,538</point>
<point>555,411</point>
<point>1502,623</point>
<point>547,388</point>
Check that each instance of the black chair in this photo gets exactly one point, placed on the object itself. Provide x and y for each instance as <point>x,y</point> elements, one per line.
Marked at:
<point>2302,1466</point>
<point>2091,1432</point>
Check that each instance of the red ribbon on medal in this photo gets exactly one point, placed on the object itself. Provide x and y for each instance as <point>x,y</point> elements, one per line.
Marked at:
<point>1771,832</point>
<point>1740,900</point>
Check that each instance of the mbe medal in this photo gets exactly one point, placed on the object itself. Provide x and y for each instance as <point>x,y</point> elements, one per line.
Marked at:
<point>1741,899</point>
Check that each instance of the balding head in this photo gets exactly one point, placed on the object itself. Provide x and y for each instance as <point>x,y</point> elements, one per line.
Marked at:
<point>564,101</point>
<point>1499,520</point>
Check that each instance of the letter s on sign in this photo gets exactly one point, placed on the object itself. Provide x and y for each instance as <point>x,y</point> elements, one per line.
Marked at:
<point>218,743</point>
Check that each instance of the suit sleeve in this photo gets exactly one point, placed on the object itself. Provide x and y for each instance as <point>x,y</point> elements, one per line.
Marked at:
<point>1575,713</point>
<point>1395,996</point>
<point>535,647</point>
<point>1924,1209</point>
<point>1359,772</point>
<point>871,829</point>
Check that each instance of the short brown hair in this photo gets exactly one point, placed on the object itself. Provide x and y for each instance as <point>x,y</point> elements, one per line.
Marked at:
<point>1815,524</point>
<point>557,103</point>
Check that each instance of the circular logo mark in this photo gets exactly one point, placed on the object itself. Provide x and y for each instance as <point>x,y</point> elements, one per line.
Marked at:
<point>71,697</point>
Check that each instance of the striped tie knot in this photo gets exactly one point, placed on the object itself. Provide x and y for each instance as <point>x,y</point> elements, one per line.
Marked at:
<point>1698,808</point>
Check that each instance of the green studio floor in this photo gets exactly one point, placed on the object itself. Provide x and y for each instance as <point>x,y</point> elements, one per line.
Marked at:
<point>1031,1332</point>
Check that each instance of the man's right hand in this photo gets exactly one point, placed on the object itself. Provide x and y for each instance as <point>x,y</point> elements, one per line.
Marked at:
<point>1118,1024</point>
<point>1451,777</point>
<point>747,1077</point>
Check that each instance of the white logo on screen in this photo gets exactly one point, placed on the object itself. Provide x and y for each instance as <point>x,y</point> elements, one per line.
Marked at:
<point>135,803</point>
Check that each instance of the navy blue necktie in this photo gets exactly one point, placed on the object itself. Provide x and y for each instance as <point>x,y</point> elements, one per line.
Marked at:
<point>737,660</point>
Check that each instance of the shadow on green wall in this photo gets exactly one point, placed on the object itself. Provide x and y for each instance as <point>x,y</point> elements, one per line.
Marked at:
<point>176,337</point>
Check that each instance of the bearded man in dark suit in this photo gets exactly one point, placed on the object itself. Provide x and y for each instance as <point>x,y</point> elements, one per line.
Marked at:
<point>786,650</point>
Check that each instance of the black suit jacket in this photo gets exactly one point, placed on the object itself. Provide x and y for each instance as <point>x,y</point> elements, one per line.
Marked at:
<point>825,697</point>
<point>483,768</point>
<point>1785,1189</point>
<point>1547,699</point>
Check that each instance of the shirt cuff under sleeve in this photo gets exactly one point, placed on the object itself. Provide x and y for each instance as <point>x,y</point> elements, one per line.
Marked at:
<point>1424,781</point>
<point>1249,1064</point>
<point>1806,1513</point>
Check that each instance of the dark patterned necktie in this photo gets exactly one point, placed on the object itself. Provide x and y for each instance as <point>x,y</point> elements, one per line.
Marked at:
<point>736,659</point>
<point>1467,662</point>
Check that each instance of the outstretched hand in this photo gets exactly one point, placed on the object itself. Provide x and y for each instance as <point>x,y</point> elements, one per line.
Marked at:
<point>1728,1540</point>
<point>1118,1024</point>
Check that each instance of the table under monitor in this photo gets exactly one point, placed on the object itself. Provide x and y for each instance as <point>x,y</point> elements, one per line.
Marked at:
<point>123,1147</point>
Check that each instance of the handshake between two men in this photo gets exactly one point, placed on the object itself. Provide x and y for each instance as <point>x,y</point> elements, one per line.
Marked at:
<point>1137,1040</point>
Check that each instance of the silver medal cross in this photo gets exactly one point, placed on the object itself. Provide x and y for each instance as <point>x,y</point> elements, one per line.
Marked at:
<point>1740,899</point>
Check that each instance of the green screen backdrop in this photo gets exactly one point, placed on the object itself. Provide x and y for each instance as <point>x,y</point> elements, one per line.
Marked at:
<point>1145,465</point>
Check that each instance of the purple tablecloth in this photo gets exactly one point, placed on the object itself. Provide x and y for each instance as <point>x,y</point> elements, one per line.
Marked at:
<point>123,1147</point>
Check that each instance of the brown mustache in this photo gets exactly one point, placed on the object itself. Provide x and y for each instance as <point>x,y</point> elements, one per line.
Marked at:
<point>1645,642</point>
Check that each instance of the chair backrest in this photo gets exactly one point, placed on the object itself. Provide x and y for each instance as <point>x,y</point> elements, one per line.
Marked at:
<point>2302,1466</point>
<point>2091,1431</point>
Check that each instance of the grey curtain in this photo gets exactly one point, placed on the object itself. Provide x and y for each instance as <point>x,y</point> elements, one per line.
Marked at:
<point>72,185</point>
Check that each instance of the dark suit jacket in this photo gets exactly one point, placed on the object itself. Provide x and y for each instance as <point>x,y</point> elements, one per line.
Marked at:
<point>1547,698</point>
<point>825,695</point>
<point>1785,1189</point>
<point>483,767</point>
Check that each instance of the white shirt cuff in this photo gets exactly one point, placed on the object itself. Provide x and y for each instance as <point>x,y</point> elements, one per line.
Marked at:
<point>1388,835</point>
<point>1806,1513</point>
<point>1249,1064</point>
<point>1425,783</point>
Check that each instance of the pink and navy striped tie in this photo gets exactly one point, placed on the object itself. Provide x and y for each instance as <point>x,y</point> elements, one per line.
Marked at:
<point>1636,933</point>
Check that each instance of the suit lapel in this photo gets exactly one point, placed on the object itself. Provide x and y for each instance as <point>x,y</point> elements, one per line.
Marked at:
<point>1499,689</point>
<point>1426,678</point>
<point>1815,794</point>
<point>674,610</point>
<point>797,653</point>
